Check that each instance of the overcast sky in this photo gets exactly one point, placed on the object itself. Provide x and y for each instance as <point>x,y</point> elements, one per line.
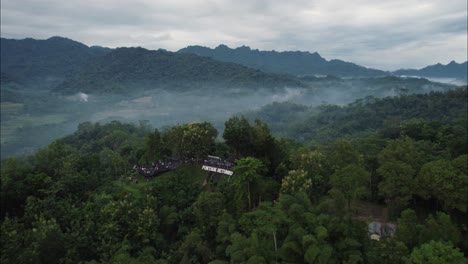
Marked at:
<point>385,34</point>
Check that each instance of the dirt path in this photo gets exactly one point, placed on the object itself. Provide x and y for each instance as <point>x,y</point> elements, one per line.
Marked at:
<point>370,212</point>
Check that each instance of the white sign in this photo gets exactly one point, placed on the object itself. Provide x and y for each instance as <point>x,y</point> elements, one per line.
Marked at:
<point>217,170</point>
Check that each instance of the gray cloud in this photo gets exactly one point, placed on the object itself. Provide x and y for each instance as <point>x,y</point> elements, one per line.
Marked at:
<point>381,34</point>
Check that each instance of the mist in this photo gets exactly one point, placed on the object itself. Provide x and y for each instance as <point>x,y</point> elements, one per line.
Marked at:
<point>48,116</point>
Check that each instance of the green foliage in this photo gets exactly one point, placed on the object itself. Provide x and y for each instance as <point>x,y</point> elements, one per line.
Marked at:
<point>441,180</point>
<point>439,227</point>
<point>253,140</point>
<point>265,221</point>
<point>397,186</point>
<point>436,252</point>
<point>296,181</point>
<point>247,249</point>
<point>238,134</point>
<point>16,242</point>
<point>343,154</point>
<point>153,147</point>
<point>246,181</point>
<point>388,251</point>
<point>403,150</point>
<point>194,249</point>
<point>408,228</point>
<point>194,140</point>
<point>207,209</point>
<point>68,204</point>
<point>350,181</point>
<point>399,161</point>
<point>366,116</point>
<point>316,167</point>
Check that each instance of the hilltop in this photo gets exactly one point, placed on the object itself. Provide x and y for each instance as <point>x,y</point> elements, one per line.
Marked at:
<point>289,62</point>
<point>451,70</point>
<point>125,69</point>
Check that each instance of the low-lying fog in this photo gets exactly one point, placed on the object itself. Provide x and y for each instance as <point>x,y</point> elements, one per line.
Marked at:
<point>452,81</point>
<point>50,117</point>
<point>164,108</point>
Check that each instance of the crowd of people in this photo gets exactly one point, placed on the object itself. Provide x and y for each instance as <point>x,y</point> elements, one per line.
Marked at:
<point>218,163</point>
<point>161,166</point>
<point>158,167</point>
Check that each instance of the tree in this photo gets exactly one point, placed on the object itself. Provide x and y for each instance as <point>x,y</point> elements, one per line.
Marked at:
<point>226,227</point>
<point>194,249</point>
<point>18,181</point>
<point>296,181</point>
<point>343,154</point>
<point>144,229</point>
<point>16,242</point>
<point>198,140</point>
<point>435,252</point>
<point>49,242</point>
<point>49,160</point>
<point>112,163</point>
<point>397,184</point>
<point>266,220</point>
<point>245,180</point>
<point>408,228</point>
<point>255,141</point>
<point>207,209</point>
<point>247,249</point>
<point>313,163</point>
<point>350,181</point>
<point>442,180</point>
<point>153,146</point>
<point>403,150</point>
<point>388,251</point>
<point>265,146</point>
<point>52,247</point>
<point>194,140</point>
<point>115,218</point>
<point>238,135</point>
<point>439,227</point>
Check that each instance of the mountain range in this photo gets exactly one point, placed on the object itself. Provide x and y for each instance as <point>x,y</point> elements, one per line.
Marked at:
<point>451,70</point>
<point>291,62</point>
<point>68,66</point>
<point>55,57</point>
<point>123,68</point>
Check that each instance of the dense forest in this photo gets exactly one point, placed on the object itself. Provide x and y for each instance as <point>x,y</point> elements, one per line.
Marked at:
<point>123,68</point>
<point>365,116</point>
<point>307,196</point>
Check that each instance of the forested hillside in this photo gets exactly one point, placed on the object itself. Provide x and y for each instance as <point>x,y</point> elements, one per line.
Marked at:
<point>397,162</point>
<point>56,57</point>
<point>126,69</point>
<point>365,116</point>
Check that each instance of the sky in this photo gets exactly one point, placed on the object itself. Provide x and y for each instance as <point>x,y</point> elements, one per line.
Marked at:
<point>383,34</point>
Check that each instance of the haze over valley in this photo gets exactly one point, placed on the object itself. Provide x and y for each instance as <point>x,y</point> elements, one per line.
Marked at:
<point>50,86</point>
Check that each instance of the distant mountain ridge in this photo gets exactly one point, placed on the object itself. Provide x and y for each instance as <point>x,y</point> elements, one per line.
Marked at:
<point>297,63</point>
<point>70,66</point>
<point>125,68</point>
<point>53,57</point>
<point>451,70</point>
